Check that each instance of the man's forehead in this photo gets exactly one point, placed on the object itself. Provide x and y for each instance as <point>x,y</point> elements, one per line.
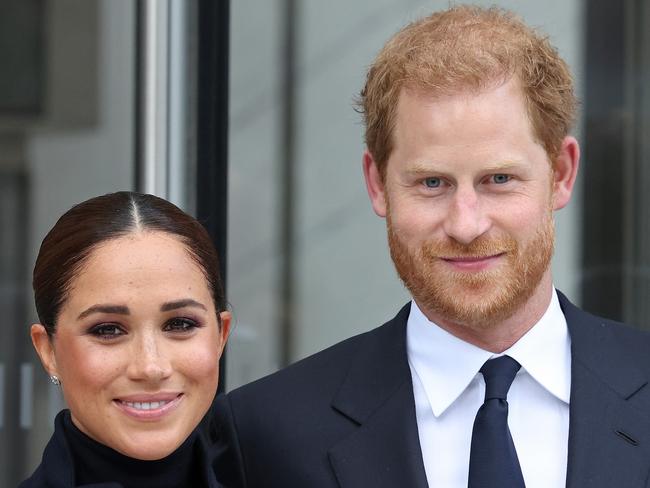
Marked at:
<point>500,107</point>
<point>433,94</point>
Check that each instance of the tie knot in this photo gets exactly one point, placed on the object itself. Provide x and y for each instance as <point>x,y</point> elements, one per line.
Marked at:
<point>499,374</point>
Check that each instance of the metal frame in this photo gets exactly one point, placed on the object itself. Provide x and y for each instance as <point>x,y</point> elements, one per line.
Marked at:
<point>153,97</point>
<point>166,120</point>
<point>212,130</point>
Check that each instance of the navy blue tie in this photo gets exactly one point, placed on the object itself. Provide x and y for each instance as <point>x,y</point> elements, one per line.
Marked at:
<point>493,461</point>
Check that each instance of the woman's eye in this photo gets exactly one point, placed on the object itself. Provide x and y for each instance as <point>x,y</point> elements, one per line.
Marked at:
<point>501,178</point>
<point>180,324</point>
<point>432,182</point>
<point>107,331</point>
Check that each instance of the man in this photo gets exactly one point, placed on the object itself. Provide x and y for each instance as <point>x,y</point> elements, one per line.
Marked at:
<point>489,377</point>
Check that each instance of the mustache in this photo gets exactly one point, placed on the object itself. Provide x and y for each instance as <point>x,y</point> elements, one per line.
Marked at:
<point>479,248</point>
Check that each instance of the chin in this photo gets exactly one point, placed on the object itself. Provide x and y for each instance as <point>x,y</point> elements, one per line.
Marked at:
<point>150,447</point>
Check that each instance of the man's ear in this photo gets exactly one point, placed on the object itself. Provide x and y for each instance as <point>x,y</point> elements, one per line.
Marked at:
<point>565,171</point>
<point>374,184</point>
<point>44,348</point>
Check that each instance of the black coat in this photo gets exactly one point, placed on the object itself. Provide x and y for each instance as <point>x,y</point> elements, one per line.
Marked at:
<point>345,417</point>
<point>57,466</point>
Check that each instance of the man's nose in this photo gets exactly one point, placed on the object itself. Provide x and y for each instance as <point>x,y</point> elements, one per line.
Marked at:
<point>149,360</point>
<point>465,219</point>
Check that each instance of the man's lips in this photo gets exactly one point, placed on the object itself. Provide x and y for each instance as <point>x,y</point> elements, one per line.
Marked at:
<point>148,406</point>
<point>472,262</point>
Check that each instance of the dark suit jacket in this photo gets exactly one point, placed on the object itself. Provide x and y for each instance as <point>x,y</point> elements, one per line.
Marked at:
<point>345,417</point>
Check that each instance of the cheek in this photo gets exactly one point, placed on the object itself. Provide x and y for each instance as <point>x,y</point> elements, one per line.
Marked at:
<point>527,220</point>
<point>200,364</point>
<point>87,372</point>
<point>521,212</point>
<point>416,222</point>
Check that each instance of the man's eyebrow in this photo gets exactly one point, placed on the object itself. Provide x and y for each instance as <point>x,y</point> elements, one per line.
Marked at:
<point>503,165</point>
<point>433,168</point>
<point>185,302</point>
<point>422,168</point>
<point>104,308</point>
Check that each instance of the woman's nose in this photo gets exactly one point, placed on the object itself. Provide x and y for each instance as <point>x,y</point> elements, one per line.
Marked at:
<point>149,361</point>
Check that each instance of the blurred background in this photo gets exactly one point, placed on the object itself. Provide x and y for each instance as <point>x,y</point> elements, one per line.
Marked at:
<point>242,113</point>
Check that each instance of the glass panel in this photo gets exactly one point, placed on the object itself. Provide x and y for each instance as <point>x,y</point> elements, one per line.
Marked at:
<point>256,112</point>
<point>635,262</point>
<point>616,260</point>
<point>77,144</point>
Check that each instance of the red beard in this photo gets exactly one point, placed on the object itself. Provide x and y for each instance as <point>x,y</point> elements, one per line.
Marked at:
<point>476,299</point>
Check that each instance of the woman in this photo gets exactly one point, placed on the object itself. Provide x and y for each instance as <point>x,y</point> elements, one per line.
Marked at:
<point>133,321</point>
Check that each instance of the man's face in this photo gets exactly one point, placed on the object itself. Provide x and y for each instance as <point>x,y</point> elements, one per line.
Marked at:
<point>468,195</point>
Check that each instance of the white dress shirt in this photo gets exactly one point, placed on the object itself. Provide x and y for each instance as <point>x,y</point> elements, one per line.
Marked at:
<point>449,390</point>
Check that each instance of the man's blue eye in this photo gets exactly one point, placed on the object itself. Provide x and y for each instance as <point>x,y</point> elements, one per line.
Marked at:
<point>500,179</point>
<point>432,182</point>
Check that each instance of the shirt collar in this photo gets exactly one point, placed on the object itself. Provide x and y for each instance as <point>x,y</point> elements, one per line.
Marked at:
<point>446,364</point>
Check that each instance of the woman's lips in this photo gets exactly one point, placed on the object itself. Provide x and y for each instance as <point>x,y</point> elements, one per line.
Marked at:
<point>472,263</point>
<point>148,407</point>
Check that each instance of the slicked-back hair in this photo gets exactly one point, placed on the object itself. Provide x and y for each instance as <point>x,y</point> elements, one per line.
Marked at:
<point>87,225</point>
<point>468,48</point>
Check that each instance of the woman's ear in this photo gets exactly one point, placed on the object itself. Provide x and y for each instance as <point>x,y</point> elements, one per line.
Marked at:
<point>225,318</point>
<point>44,348</point>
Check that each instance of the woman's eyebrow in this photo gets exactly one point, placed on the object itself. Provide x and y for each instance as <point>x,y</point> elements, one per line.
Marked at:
<point>104,308</point>
<point>185,302</point>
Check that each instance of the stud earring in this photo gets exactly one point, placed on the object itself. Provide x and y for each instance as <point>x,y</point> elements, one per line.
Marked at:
<point>55,380</point>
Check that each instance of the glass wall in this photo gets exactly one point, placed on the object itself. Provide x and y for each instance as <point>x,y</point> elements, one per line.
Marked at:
<point>616,257</point>
<point>66,134</point>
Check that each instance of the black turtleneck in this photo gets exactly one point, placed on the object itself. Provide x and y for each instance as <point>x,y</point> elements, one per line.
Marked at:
<point>96,463</point>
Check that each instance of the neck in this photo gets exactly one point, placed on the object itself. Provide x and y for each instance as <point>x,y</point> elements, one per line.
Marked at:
<point>500,337</point>
<point>97,463</point>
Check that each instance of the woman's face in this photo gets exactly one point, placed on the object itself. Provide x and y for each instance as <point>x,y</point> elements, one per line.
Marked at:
<point>137,345</point>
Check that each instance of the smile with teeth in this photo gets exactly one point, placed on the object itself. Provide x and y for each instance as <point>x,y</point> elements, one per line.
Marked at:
<point>152,408</point>
<point>146,405</point>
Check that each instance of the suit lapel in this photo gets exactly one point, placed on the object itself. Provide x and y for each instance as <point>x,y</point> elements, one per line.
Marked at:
<point>605,428</point>
<point>377,394</point>
<point>605,432</point>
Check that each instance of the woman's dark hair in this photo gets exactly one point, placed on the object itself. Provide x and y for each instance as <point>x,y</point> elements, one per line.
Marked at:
<point>81,229</point>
